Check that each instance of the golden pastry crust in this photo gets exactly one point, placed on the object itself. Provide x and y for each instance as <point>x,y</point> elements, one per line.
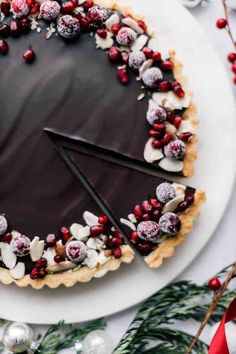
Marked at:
<point>70,277</point>
<point>167,247</point>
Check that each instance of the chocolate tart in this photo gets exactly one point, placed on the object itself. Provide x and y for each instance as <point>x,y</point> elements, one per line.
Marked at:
<point>118,88</point>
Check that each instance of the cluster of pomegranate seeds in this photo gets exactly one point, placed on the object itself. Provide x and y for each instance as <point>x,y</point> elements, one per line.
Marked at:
<point>114,242</point>
<point>39,270</point>
<point>188,201</point>
<point>147,210</point>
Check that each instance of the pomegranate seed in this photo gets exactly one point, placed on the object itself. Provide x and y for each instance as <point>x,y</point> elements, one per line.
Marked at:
<point>103,219</point>
<point>181,207</point>
<point>42,263</point>
<point>3,47</point>
<point>115,28</point>
<point>59,259</point>
<point>65,233</point>
<point>67,7</point>
<point>146,217</point>
<point>156,56</point>
<point>115,242</point>
<point>156,215</point>
<point>142,24</point>
<point>156,204</point>
<point>4,30</point>
<point>125,57</point>
<point>179,91</point>
<point>190,199</point>
<point>145,247</point>
<point>234,80</point>
<point>29,56</point>
<point>167,65</point>
<point>35,9</point>
<point>123,76</point>
<point>164,86</point>
<point>84,23</point>
<point>167,138</point>
<point>75,2</point>
<point>116,233</point>
<point>221,23</point>
<point>232,57</point>
<point>6,238</point>
<point>5,7</point>
<point>153,133</point>
<point>114,54</point>
<point>157,144</point>
<point>159,127</point>
<point>96,230</point>
<point>177,121</point>
<point>34,273</point>
<point>15,29</point>
<point>147,207</point>
<point>51,240</point>
<point>30,3</point>
<point>41,273</point>
<point>24,25</point>
<point>117,253</point>
<point>101,32</point>
<point>87,4</point>
<point>138,212</point>
<point>233,68</point>
<point>214,284</point>
<point>187,137</point>
<point>148,52</point>
<point>170,115</point>
<point>134,237</point>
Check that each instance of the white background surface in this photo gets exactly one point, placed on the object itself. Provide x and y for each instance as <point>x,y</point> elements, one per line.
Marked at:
<point>221,250</point>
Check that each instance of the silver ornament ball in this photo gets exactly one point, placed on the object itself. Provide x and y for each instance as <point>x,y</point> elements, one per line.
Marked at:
<point>97,342</point>
<point>17,337</point>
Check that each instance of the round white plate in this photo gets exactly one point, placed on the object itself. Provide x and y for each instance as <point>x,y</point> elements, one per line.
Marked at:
<point>214,173</point>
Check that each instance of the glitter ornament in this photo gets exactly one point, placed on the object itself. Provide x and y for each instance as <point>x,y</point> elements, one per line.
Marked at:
<point>175,150</point>
<point>20,245</point>
<point>97,15</point>
<point>170,223</point>
<point>3,224</point>
<point>49,10</point>
<point>136,59</point>
<point>151,77</point>
<point>17,337</point>
<point>96,342</point>
<point>126,36</point>
<point>165,192</point>
<point>156,115</point>
<point>76,251</point>
<point>149,231</point>
<point>20,8</point>
<point>68,26</point>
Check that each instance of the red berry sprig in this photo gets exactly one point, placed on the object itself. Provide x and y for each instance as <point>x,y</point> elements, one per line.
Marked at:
<point>214,284</point>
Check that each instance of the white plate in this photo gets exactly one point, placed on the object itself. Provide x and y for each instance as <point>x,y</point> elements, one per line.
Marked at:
<point>214,173</point>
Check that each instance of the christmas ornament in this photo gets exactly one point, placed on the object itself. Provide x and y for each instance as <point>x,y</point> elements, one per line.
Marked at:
<point>17,337</point>
<point>97,342</point>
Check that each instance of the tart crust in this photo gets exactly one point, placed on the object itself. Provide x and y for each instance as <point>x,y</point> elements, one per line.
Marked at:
<point>167,247</point>
<point>71,277</point>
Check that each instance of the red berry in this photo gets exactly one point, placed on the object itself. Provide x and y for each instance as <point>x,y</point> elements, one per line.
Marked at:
<point>41,273</point>
<point>148,52</point>
<point>167,138</point>
<point>24,25</point>
<point>42,263</point>
<point>114,54</point>
<point>156,56</point>
<point>145,247</point>
<point>123,76</point>
<point>115,242</point>
<point>221,23</point>
<point>187,137</point>
<point>214,284</point>
<point>4,30</point>
<point>96,230</point>
<point>30,3</point>
<point>75,2</point>
<point>190,199</point>
<point>34,273</point>
<point>232,57</point>
<point>156,214</point>
<point>182,207</point>
<point>84,23</point>
<point>67,7</point>
<point>117,253</point>
<point>103,219</point>
<point>157,144</point>
<point>146,217</point>
<point>101,32</point>
<point>15,29</point>
<point>134,237</point>
<point>6,238</point>
<point>234,80</point>
<point>142,24</point>
<point>65,233</point>
<point>155,204</point>
<point>177,121</point>
<point>115,28</point>
<point>116,233</point>
<point>5,7</point>
<point>233,68</point>
<point>51,240</point>
<point>87,4</point>
<point>3,47</point>
<point>125,57</point>
<point>159,127</point>
<point>164,86</point>
<point>153,133</point>
<point>138,212</point>
<point>179,91</point>
<point>59,259</point>
<point>147,207</point>
<point>167,65</point>
<point>170,115</point>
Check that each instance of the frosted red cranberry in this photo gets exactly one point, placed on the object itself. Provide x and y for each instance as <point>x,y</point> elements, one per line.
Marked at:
<point>156,115</point>
<point>3,224</point>
<point>76,251</point>
<point>117,253</point>
<point>126,36</point>
<point>136,59</point>
<point>170,223</point>
<point>96,230</point>
<point>5,7</point>
<point>148,231</point>
<point>165,192</point>
<point>114,54</point>
<point>151,77</point>
<point>20,245</point>
<point>175,150</point>
<point>20,8</point>
<point>97,15</point>
<point>68,26</point>
<point>49,10</point>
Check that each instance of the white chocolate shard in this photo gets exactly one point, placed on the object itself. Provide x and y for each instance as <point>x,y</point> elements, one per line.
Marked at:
<point>18,272</point>
<point>36,249</point>
<point>171,165</point>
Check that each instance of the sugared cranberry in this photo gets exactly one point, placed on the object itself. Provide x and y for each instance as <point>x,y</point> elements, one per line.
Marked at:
<point>164,86</point>
<point>4,30</point>
<point>101,32</point>
<point>5,7</point>
<point>123,76</point>
<point>155,204</point>
<point>190,199</point>
<point>148,52</point>
<point>3,47</point>
<point>51,240</point>
<point>147,207</point>
<point>157,144</point>
<point>117,253</point>
<point>149,231</point>
<point>87,4</point>
<point>84,23</point>
<point>214,284</point>
<point>221,23</point>
<point>96,230</point>
<point>42,263</point>
<point>24,25</point>
<point>76,251</point>
<point>103,220</point>
<point>138,212</point>
<point>156,115</point>
<point>6,238</point>
<point>124,57</point>
<point>115,28</point>
<point>97,15</point>
<point>187,137</point>
<point>156,215</point>
<point>15,29</point>
<point>182,207</point>
<point>152,77</point>
<point>41,273</point>
<point>59,259</point>
<point>175,150</point>
<point>126,36</point>
<point>68,26</point>
<point>67,7</point>
<point>20,8</point>
<point>50,10</point>
<point>177,121</point>
<point>136,59</point>
<point>29,56</point>
<point>34,273</point>
<point>65,233</point>
<point>233,68</point>
<point>142,25</point>
<point>167,138</point>
<point>167,65</point>
<point>134,237</point>
<point>165,192</point>
<point>170,223</point>
<point>114,54</point>
<point>232,57</point>
<point>20,245</point>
